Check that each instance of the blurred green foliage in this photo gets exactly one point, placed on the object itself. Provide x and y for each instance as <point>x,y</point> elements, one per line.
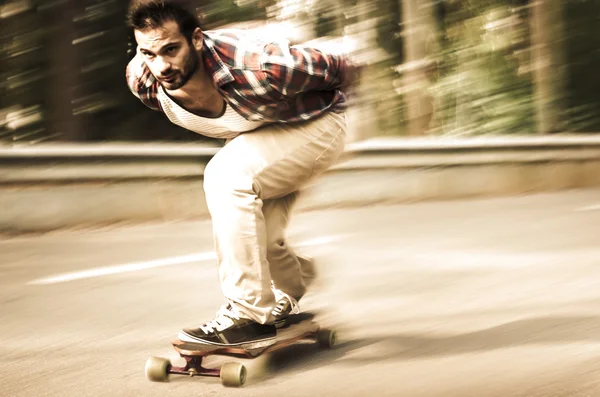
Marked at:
<point>480,67</point>
<point>63,64</point>
<point>481,85</point>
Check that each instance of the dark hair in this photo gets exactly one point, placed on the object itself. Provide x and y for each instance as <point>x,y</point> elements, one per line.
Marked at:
<point>152,14</point>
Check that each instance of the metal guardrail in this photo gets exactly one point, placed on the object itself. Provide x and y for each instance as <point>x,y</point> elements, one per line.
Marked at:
<point>85,162</point>
<point>371,145</point>
<point>66,151</point>
<point>50,186</point>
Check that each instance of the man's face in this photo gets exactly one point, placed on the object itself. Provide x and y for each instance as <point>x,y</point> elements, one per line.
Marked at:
<point>168,54</point>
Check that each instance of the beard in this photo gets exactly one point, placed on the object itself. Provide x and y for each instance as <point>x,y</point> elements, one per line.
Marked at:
<point>178,78</point>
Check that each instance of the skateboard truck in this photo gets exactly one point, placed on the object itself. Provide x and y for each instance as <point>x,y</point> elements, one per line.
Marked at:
<point>232,374</point>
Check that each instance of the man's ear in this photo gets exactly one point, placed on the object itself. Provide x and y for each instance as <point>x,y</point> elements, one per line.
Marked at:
<point>197,39</point>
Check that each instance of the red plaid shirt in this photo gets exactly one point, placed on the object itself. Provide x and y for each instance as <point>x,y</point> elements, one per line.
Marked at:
<point>273,82</point>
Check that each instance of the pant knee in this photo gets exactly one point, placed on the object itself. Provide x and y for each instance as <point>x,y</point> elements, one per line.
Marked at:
<point>213,178</point>
<point>223,184</point>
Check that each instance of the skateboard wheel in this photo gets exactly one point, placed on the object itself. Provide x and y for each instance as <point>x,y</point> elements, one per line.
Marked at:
<point>157,369</point>
<point>233,374</point>
<point>326,338</point>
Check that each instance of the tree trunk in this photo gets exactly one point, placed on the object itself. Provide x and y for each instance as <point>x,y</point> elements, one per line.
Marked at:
<point>548,64</point>
<point>63,71</point>
<point>419,33</point>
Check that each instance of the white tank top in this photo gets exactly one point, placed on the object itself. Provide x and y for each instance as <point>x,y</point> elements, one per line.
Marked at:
<point>228,126</point>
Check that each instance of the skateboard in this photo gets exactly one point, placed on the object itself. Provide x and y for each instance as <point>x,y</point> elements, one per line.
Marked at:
<point>299,327</point>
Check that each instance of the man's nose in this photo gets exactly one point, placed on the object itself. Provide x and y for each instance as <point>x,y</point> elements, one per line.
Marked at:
<point>163,66</point>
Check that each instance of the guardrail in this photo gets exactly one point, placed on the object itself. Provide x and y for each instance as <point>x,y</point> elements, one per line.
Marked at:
<point>47,187</point>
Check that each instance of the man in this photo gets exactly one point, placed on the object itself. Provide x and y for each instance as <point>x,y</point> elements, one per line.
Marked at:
<point>281,110</point>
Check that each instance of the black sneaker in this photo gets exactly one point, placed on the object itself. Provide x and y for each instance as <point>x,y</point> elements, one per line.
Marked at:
<point>229,329</point>
<point>285,306</point>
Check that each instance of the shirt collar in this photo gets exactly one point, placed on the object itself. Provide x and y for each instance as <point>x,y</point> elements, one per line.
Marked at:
<point>219,71</point>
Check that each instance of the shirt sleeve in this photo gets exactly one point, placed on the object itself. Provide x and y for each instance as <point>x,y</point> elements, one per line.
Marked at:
<point>142,83</point>
<point>294,69</point>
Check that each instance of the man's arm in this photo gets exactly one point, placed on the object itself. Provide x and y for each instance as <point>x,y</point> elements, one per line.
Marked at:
<point>142,83</point>
<point>294,69</point>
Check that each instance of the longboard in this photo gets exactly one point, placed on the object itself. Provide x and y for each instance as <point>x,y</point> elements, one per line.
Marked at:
<point>298,328</point>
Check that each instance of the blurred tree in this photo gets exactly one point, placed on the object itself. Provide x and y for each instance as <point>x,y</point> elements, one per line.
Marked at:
<point>23,73</point>
<point>452,67</point>
<point>547,38</point>
<point>582,56</point>
<point>216,13</point>
<point>420,41</point>
<point>483,86</point>
<point>63,71</point>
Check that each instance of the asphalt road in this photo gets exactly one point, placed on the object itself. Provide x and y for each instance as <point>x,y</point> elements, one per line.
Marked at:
<point>496,297</point>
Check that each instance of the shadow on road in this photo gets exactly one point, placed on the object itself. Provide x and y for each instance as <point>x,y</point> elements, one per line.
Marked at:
<point>535,331</point>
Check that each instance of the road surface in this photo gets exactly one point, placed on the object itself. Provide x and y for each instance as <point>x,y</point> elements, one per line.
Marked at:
<point>495,297</point>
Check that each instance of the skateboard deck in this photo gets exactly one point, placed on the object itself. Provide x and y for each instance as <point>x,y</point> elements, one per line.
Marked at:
<point>298,328</point>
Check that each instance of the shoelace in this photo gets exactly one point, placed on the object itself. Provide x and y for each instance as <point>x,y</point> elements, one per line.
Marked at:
<point>223,319</point>
<point>279,296</point>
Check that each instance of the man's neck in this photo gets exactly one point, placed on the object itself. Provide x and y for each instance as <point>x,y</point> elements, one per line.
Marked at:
<point>199,95</point>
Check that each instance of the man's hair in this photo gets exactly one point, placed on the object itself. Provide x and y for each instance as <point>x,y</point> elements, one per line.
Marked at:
<point>152,14</point>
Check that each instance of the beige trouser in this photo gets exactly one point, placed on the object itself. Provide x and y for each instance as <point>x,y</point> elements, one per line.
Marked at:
<point>250,187</point>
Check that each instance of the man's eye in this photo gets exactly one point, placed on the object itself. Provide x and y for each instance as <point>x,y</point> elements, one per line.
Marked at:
<point>171,50</point>
<point>148,55</point>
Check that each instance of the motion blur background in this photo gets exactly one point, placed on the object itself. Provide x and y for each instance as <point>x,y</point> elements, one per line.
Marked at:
<point>438,286</point>
<point>430,67</point>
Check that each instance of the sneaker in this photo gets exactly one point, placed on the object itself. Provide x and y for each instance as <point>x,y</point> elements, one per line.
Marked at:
<point>229,329</point>
<point>285,306</point>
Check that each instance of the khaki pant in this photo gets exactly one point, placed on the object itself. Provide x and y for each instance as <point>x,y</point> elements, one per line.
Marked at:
<point>250,187</point>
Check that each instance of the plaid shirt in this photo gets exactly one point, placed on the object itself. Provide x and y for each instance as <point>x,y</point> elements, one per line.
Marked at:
<point>272,82</point>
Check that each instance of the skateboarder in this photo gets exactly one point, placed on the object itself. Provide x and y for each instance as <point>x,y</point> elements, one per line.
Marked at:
<point>281,109</point>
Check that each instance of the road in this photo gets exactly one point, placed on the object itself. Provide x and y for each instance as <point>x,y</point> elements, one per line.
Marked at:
<point>495,297</point>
